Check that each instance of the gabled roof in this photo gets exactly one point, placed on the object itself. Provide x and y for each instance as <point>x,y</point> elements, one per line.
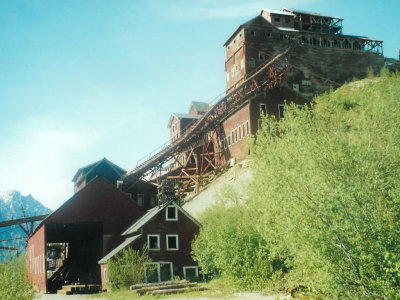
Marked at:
<point>127,242</point>
<point>85,170</point>
<point>200,106</point>
<point>182,116</point>
<point>151,213</point>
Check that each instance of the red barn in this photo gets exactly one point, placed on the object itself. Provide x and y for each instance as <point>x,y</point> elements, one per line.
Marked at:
<point>65,247</point>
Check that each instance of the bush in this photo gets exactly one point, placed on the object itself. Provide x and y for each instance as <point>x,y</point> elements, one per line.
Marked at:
<point>328,187</point>
<point>230,245</point>
<point>127,267</point>
<point>14,282</point>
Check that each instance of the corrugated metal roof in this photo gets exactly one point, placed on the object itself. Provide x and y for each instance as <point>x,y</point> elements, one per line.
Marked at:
<point>187,116</point>
<point>302,12</point>
<point>121,246</point>
<point>278,12</point>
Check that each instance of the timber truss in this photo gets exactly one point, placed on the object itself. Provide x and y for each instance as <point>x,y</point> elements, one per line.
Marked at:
<point>198,151</point>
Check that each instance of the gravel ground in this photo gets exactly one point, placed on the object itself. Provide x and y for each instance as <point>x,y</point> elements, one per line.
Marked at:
<point>238,296</point>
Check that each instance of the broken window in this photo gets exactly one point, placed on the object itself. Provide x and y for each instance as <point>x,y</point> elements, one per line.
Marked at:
<point>252,62</point>
<point>253,33</point>
<point>263,109</point>
<point>296,87</point>
<point>276,19</point>
<point>261,55</point>
<point>281,109</point>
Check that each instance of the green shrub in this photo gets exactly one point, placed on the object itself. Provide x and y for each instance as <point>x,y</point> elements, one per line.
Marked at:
<point>127,267</point>
<point>14,282</point>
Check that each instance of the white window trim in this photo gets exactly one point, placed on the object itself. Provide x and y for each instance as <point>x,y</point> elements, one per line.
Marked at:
<point>177,241</point>
<point>191,267</point>
<point>247,127</point>
<point>158,269</point>
<point>158,242</point>
<point>166,213</point>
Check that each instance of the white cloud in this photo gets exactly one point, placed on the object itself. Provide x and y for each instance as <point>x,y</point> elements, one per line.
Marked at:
<point>40,159</point>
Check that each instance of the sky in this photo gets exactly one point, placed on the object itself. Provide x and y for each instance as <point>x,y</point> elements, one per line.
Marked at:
<point>85,79</point>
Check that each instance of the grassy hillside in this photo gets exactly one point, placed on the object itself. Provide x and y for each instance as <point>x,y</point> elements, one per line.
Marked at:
<point>322,212</point>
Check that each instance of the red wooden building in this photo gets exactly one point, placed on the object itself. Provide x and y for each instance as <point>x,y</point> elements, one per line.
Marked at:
<point>167,231</point>
<point>66,245</point>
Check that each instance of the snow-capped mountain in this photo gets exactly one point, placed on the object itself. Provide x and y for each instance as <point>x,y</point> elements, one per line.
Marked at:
<point>14,205</point>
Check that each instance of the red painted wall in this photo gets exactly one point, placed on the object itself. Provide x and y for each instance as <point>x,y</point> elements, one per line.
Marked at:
<point>36,258</point>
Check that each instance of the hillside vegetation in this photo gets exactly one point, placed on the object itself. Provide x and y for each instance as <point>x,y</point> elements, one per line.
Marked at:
<point>323,210</point>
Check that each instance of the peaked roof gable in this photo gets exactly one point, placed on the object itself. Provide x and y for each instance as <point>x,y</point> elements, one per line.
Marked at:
<point>89,168</point>
<point>199,106</point>
<point>151,213</point>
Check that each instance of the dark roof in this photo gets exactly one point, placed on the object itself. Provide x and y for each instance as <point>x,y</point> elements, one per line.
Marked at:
<point>200,106</point>
<point>85,170</point>
<point>121,246</point>
<point>182,116</point>
<point>302,12</point>
<point>151,213</point>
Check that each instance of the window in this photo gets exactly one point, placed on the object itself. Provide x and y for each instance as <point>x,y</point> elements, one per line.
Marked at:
<point>261,55</point>
<point>172,242</point>
<point>252,63</point>
<point>173,128</point>
<point>233,71</point>
<point>267,34</point>
<point>276,19</point>
<point>233,137</point>
<point>236,135</point>
<point>192,159</point>
<point>240,132</point>
<point>296,87</point>
<point>247,128</point>
<point>229,141</point>
<point>190,272</point>
<point>243,129</point>
<point>287,20</point>
<point>153,200</point>
<point>306,82</point>
<point>281,109</point>
<point>253,33</point>
<point>171,213</point>
<point>140,200</point>
<point>263,109</point>
<point>241,64</point>
<point>227,76</point>
<point>153,241</point>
